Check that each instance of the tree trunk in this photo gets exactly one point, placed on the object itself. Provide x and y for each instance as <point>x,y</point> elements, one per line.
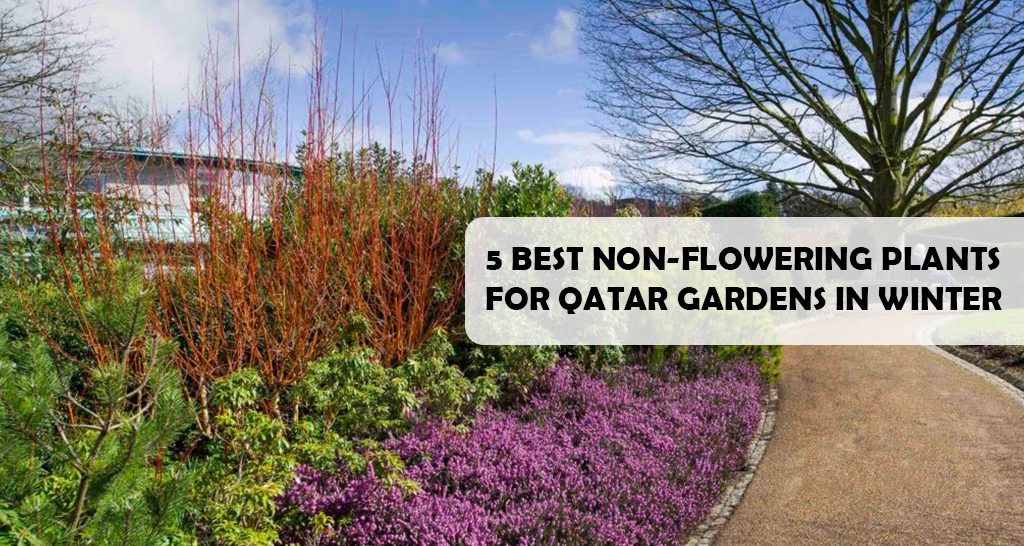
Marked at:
<point>203,415</point>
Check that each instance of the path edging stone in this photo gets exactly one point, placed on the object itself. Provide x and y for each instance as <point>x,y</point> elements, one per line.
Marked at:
<point>1010,385</point>
<point>732,495</point>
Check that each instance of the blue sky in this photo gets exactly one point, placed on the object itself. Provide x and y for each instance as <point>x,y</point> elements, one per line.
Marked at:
<point>525,50</point>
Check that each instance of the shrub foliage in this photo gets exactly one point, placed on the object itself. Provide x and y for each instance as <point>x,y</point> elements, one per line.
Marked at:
<point>751,204</point>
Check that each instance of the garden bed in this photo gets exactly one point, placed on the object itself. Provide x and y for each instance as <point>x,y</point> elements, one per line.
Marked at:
<point>626,457</point>
<point>1006,362</point>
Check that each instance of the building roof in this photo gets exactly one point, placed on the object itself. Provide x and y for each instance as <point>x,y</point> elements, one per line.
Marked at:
<point>183,158</point>
<point>171,221</point>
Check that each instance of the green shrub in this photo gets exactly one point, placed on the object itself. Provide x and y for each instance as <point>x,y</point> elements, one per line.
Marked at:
<point>353,395</point>
<point>670,357</point>
<point>345,406</point>
<point>43,309</point>
<point>250,462</point>
<point>532,191</point>
<point>628,211</point>
<point>513,368</point>
<point>767,357</point>
<point>596,357</point>
<point>753,204</point>
<point>442,389</point>
<point>248,465</point>
<point>361,397</point>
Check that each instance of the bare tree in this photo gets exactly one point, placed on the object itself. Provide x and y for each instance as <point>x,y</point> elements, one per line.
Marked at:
<point>42,56</point>
<point>895,105</point>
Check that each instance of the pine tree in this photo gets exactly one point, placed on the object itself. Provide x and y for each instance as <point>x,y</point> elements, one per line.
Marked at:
<point>82,450</point>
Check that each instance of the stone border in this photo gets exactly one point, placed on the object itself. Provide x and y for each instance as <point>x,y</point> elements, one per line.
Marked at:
<point>986,370</point>
<point>989,372</point>
<point>985,364</point>
<point>729,499</point>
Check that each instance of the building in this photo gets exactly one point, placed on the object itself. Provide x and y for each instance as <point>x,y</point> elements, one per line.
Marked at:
<point>164,191</point>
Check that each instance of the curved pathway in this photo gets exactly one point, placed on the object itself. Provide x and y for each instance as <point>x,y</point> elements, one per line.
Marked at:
<point>886,445</point>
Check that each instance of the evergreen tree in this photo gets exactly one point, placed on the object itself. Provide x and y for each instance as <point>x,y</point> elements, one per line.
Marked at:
<point>81,449</point>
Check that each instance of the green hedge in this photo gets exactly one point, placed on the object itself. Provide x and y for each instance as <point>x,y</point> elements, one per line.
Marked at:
<point>754,204</point>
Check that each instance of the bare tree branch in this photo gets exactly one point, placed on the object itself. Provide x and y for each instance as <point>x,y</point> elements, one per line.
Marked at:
<point>43,54</point>
<point>890,106</point>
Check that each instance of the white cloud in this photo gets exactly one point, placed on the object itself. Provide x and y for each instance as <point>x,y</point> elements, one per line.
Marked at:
<point>561,43</point>
<point>450,53</point>
<point>155,47</point>
<point>577,139</point>
<point>592,180</point>
<point>575,158</point>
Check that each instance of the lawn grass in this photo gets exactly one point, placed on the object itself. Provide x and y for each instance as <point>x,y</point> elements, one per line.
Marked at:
<point>988,328</point>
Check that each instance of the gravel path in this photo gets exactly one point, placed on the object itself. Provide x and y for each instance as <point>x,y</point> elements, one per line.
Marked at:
<point>886,445</point>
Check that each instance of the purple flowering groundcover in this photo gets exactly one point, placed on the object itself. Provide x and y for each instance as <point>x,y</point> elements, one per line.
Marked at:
<point>628,458</point>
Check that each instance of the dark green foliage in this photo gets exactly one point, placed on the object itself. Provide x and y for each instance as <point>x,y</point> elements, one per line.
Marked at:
<point>753,204</point>
<point>532,191</point>
<point>670,357</point>
<point>442,389</point>
<point>597,357</point>
<point>354,395</point>
<point>42,308</point>
<point>767,357</point>
<point>514,368</point>
<point>249,464</point>
<point>701,361</point>
<point>346,405</point>
<point>82,455</point>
